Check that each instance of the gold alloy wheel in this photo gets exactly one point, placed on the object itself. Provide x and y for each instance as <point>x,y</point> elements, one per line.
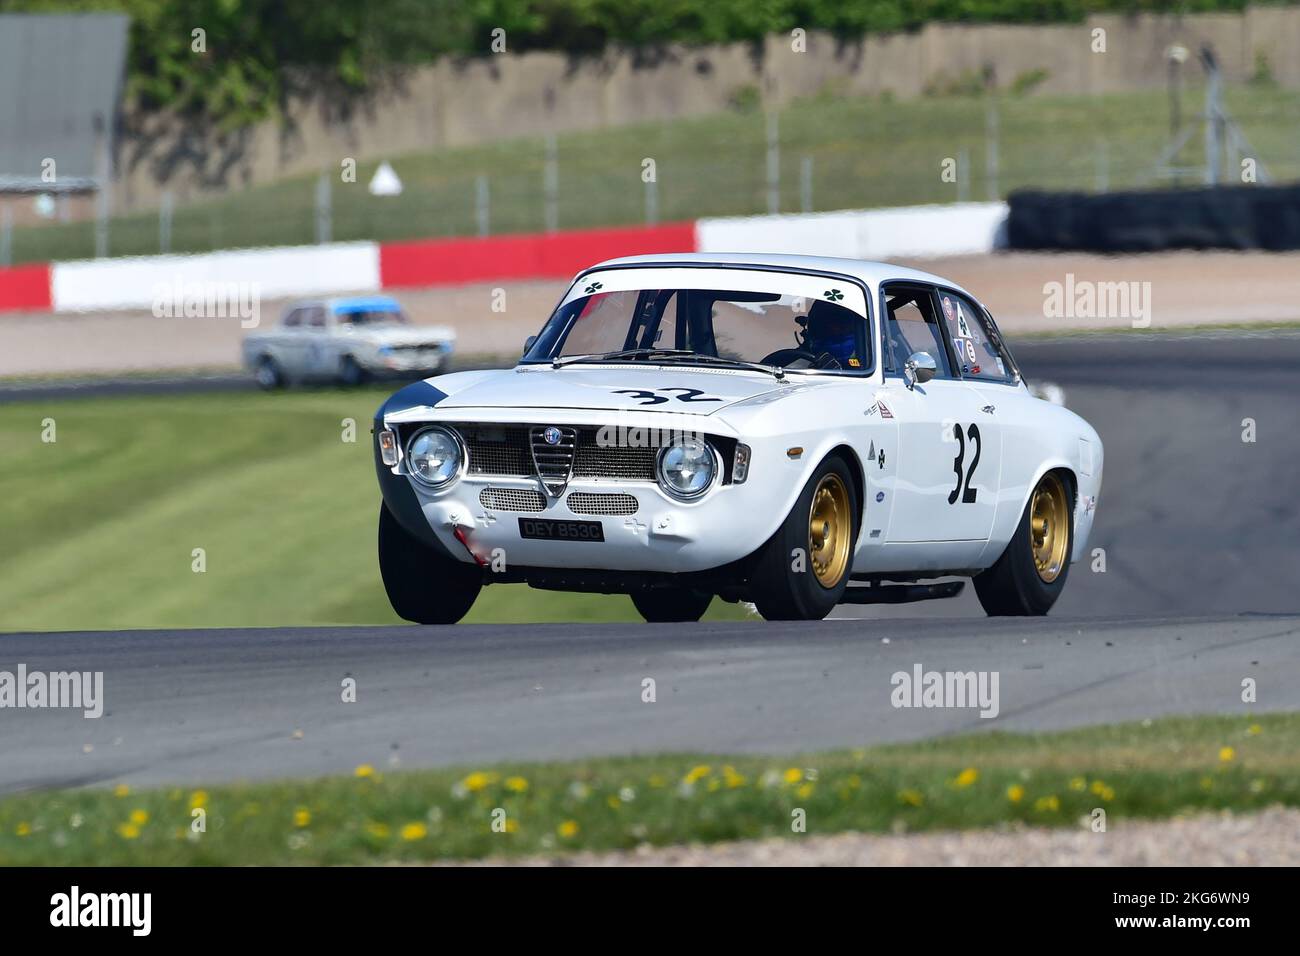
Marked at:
<point>829,530</point>
<point>1049,527</point>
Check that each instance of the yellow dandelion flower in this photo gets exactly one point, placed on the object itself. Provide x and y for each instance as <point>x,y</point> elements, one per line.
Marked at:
<point>380,831</point>
<point>793,775</point>
<point>568,829</point>
<point>1254,730</point>
<point>128,831</point>
<point>655,781</point>
<point>854,781</point>
<point>516,784</point>
<point>512,825</point>
<point>1047,804</point>
<point>1015,793</point>
<point>139,817</point>
<point>913,798</point>
<point>696,773</point>
<point>732,779</point>
<point>1098,787</point>
<point>476,782</point>
<point>1227,754</point>
<point>804,792</point>
<point>1107,793</point>
<point>966,777</point>
<point>121,790</point>
<point>301,817</point>
<point>364,771</point>
<point>613,801</point>
<point>23,829</point>
<point>1078,783</point>
<point>1207,783</point>
<point>414,831</point>
<point>199,798</point>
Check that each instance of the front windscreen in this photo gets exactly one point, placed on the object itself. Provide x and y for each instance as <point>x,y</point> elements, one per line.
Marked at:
<point>783,327</point>
<point>375,316</point>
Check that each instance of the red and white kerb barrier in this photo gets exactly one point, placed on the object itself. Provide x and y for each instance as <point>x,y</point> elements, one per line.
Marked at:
<point>348,267</point>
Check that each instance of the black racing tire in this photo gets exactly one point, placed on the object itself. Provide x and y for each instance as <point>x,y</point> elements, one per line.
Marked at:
<point>350,373</point>
<point>783,587</point>
<point>1014,586</point>
<point>268,374</point>
<point>423,585</point>
<point>671,605</point>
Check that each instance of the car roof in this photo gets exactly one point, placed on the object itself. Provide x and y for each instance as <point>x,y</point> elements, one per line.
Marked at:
<point>365,303</point>
<point>871,273</point>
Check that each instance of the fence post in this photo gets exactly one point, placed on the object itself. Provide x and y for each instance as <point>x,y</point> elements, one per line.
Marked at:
<point>652,201</point>
<point>6,233</point>
<point>991,148</point>
<point>165,223</point>
<point>773,164</point>
<point>1103,166</point>
<point>482,207</point>
<point>324,226</point>
<point>551,184</point>
<point>102,186</point>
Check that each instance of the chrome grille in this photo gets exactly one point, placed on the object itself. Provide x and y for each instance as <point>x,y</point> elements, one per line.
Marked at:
<point>506,450</point>
<point>553,459</point>
<point>602,503</point>
<point>613,461</point>
<point>512,499</point>
<point>497,449</point>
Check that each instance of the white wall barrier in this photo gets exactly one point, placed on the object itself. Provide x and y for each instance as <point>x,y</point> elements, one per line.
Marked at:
<point>909,231</point>
<point>134,283</point>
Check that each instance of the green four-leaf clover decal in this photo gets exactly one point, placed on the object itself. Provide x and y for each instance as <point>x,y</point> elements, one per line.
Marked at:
<point>591,288</point>
<point>834,294</point>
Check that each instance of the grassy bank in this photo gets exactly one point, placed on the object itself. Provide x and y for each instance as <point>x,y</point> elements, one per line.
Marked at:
<point>863,152</point>
<point>1149,770</point>
<point>99,527</point>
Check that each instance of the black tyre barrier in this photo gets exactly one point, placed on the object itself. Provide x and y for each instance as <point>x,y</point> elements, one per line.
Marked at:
<point>1223,217</point>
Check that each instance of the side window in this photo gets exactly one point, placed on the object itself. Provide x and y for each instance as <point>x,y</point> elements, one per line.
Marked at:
<point>294,319</point>
<point>977,349</point>
<point>912,326</point>
<point>316,317</point>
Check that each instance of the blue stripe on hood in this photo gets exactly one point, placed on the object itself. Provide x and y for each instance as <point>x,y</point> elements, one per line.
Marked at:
<point>413,395</point>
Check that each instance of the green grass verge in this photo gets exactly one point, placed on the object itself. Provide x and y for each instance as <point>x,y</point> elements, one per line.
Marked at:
<point>865,152</point>
<point>99,527</point>
<point>1139,770</point>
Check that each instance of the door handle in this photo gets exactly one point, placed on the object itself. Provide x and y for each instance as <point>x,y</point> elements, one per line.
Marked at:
<point>988,409</point>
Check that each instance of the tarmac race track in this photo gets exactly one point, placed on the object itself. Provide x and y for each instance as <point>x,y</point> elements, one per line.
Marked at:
<point>1201,589</point>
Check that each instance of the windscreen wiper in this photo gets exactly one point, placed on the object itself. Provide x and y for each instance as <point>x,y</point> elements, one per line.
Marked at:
<point>774,370</point>
<point>558,362</point>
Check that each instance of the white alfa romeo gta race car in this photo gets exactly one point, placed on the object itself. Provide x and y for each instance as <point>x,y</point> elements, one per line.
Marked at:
<point>757,428</point>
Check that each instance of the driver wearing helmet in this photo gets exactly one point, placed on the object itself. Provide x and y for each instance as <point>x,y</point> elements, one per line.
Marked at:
<point>831,330</point>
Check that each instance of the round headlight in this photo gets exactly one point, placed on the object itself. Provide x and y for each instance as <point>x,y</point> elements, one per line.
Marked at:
<point>687,468</point>
<point>434,456</point>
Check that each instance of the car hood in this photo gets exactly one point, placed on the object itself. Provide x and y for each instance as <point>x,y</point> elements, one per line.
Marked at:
<point>403,335</point>
<point>676,389</point>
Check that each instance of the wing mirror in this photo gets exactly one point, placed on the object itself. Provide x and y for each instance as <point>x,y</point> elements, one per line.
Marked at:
<point>920,368</point>
<point>528,343</point>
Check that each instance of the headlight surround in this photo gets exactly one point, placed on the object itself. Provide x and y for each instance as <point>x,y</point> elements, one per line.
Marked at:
<point>435,456</point>
<point>687,468</point>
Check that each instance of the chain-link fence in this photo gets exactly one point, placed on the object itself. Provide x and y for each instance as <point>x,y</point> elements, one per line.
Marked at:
<point>821,154</point>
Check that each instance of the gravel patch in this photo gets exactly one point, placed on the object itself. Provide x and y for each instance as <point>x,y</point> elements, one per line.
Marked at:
<point>1269,838</point>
